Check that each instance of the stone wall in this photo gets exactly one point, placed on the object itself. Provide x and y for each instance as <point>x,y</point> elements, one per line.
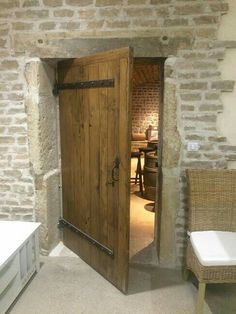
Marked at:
<point>145,106</point>
<point>183,31</point>
<point>227,36</point>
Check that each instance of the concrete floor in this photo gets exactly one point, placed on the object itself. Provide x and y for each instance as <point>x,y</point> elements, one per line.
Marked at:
<point>67,285</point>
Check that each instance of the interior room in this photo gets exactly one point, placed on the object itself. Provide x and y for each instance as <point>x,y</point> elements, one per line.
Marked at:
<point>144,160</point>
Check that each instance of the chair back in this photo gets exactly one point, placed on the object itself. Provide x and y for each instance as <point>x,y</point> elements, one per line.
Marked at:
<point>211,199</point>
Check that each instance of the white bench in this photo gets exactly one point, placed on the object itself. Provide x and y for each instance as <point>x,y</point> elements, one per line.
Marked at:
<point>19,258</point>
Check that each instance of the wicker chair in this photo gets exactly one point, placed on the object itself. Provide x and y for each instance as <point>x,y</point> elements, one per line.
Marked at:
<point>212,211</point>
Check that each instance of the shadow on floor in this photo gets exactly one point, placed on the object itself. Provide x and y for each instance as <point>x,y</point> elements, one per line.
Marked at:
<point>146,278</point>
<point>147,256</point>
<point>221,298</point>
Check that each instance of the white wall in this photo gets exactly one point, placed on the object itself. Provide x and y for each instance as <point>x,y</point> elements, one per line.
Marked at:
<point>227,120</point>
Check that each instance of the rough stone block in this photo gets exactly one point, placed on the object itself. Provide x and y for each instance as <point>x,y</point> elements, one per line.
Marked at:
<point>16,188</point>
<point>30,3</point>
<point>160,1</point>
<point>4,32</point>
<point>19,26</point>
<point>202,118</point>
<point>161,11</point>
<point>137,2</point>
<point>171,137</point>
<point>187,108</point>
<point>31,14</point>
<point>189,9</point>
<point>9,65</point>
<point>219,7</point>
<point>218,139</point>
<point>197,65</point>
<point>4,216</point>
<point>188,75</point>
<point>15,97</point>
<point>22,140</point>
<point>4,188</point>
<point>5,120</point>
<point>90,13</point>
<point>6,14</point>
<point>12,173</point>
<point>63,13</point>
<point>194,55</point>
<point>14,111</point>
<point>3,43</point>
<point>194,86</point>
<point>231,44</point>
<point>20,165</point>
<point>208,33</point>
<point>194,137</point>
<point>227,148</point>
<point>16,130</point>
<point>10,4</point>
<point>231,157</point>
<point>134,12</point>
<point>42,118</point>
<point>101,3</point>
<point>224,86</point>
<point>212,95</point>
<point>217,54</point>
<point>48,209</point>
<point>52,3</point>
<point>176,22</point>
<point>70,25</point>
<point>206,19</point>
<point>211,107</point>
<point>147,23</point>
<point>117,24</point>
<point>198,164</point>
<point>193,155</point>
<point>191,97</point>
<point>210,74</point>
<point>47,25</point>
<point>79,3</point>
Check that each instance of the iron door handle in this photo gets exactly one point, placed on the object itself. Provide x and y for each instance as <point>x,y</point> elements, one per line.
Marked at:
<point>115,171</point>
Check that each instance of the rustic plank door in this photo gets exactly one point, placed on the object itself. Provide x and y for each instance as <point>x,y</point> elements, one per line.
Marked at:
<point>95,152</point>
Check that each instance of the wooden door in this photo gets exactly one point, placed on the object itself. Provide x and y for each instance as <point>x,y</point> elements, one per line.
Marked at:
<point>95,152</point>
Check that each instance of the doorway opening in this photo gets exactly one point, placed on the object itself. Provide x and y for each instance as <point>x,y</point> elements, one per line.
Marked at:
<point>45,183</point>
<point>146,148</point>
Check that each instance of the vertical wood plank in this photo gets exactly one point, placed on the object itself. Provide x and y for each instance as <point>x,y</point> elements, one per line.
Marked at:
<point>124,186</point>
<point>94,162</point>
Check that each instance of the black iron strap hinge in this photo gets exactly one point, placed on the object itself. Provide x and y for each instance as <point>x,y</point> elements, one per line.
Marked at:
<point>83,85</point>
<point>64,223</point>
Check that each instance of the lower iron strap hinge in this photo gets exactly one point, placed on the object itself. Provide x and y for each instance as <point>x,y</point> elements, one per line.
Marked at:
<point>63,223</point>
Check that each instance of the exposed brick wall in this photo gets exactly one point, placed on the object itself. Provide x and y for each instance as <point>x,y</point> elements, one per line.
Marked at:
<point>185,30</point>
<point>145,107</point>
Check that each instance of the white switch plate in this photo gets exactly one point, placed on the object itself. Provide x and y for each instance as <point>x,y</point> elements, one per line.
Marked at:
<point>193,146</point>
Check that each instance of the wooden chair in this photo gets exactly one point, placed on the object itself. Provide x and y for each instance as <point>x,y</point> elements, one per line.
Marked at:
<point>211,248</point>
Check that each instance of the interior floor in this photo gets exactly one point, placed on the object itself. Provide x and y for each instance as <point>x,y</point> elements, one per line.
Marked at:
<point>68,285</point>
<point>142,217</point>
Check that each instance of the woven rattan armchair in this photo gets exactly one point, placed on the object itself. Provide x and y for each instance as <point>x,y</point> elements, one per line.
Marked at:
<point>212,209</point>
